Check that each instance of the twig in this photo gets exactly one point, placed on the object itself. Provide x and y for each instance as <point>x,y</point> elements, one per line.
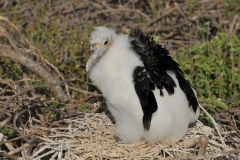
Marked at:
<point>96,144</point>
<point>7,144</point>
<point>28,63</point>
<point>10,39</point>
<point>3,123</point>
<point>26,79</point>
<point>83,99</point>
<point>43,155</point>
<point>160,17</point>
<point>40,150</point>
<point>3,154</point>
<point>35,67</point>
<point>31,143</point>
<point>20,137</point>
<point>164,29</point>
<point>55,10</point>
<point>75,13</point>
<point>32,88</point>
<point>19,149</point>
<point>233,99</point>
<point>15,121</point>
<point>120,10</point>
<point>85,92</point>
<point>216,127</point>
<point>216,155</point>
<point>61,75</point>
<point>32,47</point>
<point>22,37</point>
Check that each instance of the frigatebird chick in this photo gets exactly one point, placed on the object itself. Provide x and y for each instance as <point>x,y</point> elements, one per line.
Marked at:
<point>144,87</point>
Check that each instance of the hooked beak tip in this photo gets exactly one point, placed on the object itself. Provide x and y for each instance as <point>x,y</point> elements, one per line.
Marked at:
<point>90,63</point>
<point>87,66</point>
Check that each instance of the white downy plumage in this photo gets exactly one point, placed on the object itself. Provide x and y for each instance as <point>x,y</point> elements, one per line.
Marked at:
<point>110,67</point>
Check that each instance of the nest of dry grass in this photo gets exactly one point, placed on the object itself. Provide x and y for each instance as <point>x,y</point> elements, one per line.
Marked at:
<point>91,136</point>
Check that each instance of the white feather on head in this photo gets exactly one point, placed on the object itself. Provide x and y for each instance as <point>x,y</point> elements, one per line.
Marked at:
<point>100,40</point>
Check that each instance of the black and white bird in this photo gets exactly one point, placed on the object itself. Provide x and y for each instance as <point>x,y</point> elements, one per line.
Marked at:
<point>144,87</point>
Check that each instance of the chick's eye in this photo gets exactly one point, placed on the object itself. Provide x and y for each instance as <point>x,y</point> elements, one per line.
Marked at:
<point>106,42</point>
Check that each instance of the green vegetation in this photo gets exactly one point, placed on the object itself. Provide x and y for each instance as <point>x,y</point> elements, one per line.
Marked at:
<point>7,131</point>
<point>83,107</point>
<point>213,67</point>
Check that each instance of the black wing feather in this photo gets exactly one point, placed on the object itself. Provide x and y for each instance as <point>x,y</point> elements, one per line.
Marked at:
<point>156,62</point>
<point>143,87</point>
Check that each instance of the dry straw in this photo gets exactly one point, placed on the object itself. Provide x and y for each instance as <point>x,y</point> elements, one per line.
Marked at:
<point>92,137</point>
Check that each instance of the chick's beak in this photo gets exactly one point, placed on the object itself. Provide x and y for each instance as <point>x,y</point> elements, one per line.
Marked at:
<point>96,52</point>
<point>89,63</point>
